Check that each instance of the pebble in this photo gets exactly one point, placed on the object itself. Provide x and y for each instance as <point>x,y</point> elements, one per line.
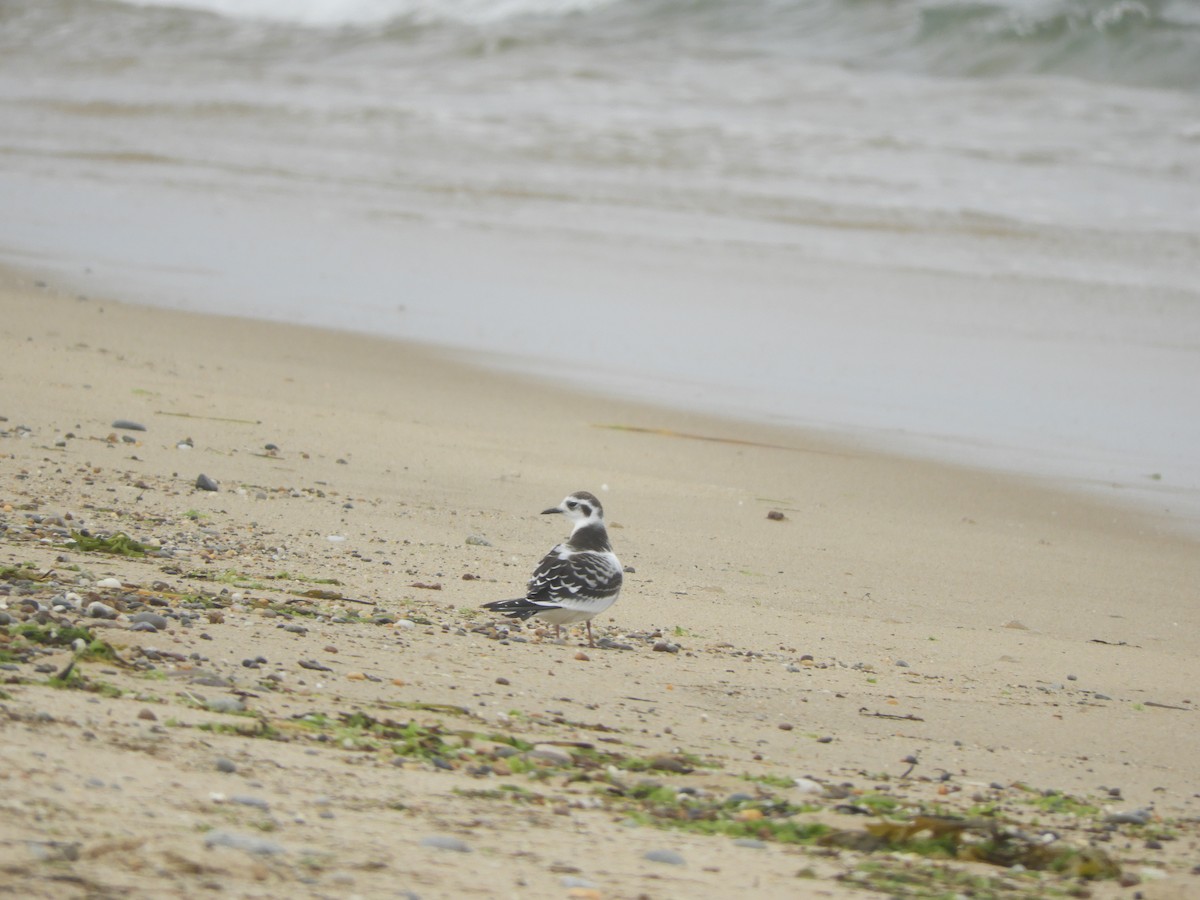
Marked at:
<point>148,715</point>
<point>665,647</point>
<point>144,626</point>
<point>54,850</point>
<point>445,842</point>
<point>127,425</point>
<point>808,786</point>
<point>573,881</point>
<point>670,857</point>
<point>98,610</point>
<point>550,754</point>
<point>226,705</point>
<point>610,644</point>
<point>1133,817</point>
<point>108,584</point>
<point>293,628</point>
<point>150,618</point>
<point>260,846</point>
<point>205,483</point>
<point>247,800</point>
<point>209,679</point>
<point>225,765</point>
<point>476,540</point>
<point>752,843</point>
<point>582,657</point>
<point>902,664</point>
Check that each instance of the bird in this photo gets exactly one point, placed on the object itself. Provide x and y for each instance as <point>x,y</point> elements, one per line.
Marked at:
<point>578,579</point>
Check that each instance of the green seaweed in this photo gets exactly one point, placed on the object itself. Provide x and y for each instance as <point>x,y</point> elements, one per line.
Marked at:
<point>119,544</point>
<point>51,635</point>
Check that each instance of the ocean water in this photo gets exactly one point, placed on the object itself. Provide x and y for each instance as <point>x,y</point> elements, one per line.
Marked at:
<point>962,229</point>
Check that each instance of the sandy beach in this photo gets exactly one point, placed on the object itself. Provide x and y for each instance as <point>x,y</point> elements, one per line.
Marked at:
<point>831,673</point>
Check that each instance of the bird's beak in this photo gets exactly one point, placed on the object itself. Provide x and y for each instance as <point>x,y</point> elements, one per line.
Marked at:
<point>557,509</point>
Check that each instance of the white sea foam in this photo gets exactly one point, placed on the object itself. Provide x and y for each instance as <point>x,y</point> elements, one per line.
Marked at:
<point>332,13</point>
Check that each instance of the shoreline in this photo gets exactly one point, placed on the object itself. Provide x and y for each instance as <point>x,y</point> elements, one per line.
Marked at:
<point>1162,508</point>
<point>1011,640</point>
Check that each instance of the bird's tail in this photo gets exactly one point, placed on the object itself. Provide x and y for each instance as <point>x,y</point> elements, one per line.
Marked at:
<point>520,609</point>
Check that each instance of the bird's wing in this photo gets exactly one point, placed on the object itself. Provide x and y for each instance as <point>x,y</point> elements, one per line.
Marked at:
<point>563,574</point>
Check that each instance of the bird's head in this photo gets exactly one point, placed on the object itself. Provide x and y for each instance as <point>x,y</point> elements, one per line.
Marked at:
<point>581,508</point>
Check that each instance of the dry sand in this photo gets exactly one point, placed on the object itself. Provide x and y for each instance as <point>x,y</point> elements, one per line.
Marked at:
<point>912,638</point>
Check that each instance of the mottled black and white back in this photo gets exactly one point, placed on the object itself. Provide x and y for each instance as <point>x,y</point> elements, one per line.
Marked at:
<point>579,578</point>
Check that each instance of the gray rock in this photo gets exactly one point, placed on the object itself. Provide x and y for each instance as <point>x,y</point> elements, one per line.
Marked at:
<point>225,765</point>
<point>247,800</point>
<point>293,628</point>
<point>150,618</point>
<point>551,754</point>
<point>446,842</point>
<point>226,705</point>
<point>750,843</point>
<point>54,850</point>
<point>127,425</point>
<point>670,857</point>
<point>144,626</point>
<point>571,881</point>
<point>249,843</point>
<point>204,483</point>
<point>1132,817</point>
<point>98,610</point>
<point>211,679</point>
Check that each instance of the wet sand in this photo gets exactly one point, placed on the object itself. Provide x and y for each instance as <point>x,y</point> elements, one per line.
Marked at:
<point>327,711</point>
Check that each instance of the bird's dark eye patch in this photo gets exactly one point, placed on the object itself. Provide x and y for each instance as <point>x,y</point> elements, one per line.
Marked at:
<point>587,510</point>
